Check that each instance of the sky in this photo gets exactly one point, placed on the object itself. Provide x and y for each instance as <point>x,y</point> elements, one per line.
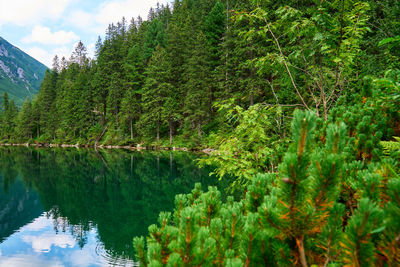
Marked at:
<point>45,28</point>
<point>37,244</point>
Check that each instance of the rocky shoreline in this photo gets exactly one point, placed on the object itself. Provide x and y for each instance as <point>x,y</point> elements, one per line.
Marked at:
<point>135,148</point>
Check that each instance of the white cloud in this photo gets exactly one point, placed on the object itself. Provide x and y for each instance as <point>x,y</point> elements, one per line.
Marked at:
<point>43,41</point>
<point>94,254</point>
<point>62,51</point>
<point>38,224</point>
<point>28,12</point>
<point>39,54</point>
<point>43,35</point>
<point>82,20</point>
<point>111,12</point>
<point>91,49</point>
<point>46,56</point>
<point>22,260</point>
<point>43,243</point>
<point>85,257</point>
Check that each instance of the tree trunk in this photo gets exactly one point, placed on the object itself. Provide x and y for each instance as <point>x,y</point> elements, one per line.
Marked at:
<point>300,245</point>
<point>251,98</point>
<point>158,132</point>
<point>131,127</point>
<point>171,128</point>
<point>101,135</point>
<point>104,112</point>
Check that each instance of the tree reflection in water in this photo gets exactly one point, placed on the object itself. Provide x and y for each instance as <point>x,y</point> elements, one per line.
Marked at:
<point>119,193</point>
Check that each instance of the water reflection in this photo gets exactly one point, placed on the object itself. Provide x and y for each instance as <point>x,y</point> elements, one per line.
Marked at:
<point>81,207</point>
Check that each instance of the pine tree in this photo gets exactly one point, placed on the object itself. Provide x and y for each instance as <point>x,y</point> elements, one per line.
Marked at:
<point>36,117</point>
<point>6,102</point>
<point>111,65</point>
<point>47,104</point>
<point>98,47</point>
<point>154,37</point>
<point>79,55</point>
<point>68,96</point>
<point>63,64</point>
<point>214,28</point>
<point>10,112</point>
<point>198,98</point>
<point>24,121</point>
<point>233,55</point>
<point>56,64</point>
<point>156,91</point>
<point>134,73</point>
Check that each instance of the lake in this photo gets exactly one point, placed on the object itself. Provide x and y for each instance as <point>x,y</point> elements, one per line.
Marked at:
<point>81,207</point>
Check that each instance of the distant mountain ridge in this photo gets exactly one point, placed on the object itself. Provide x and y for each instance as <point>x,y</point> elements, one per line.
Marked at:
<point>20,74</point>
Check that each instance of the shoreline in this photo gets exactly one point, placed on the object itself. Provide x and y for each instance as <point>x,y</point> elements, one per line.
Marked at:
<point>132,148</point>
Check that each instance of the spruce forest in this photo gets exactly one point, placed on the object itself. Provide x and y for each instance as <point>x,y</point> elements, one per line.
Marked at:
<point>299,102</point>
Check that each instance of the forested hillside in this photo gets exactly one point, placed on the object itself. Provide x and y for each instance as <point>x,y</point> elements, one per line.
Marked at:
<point>20,74</point>
<point>162,80</point>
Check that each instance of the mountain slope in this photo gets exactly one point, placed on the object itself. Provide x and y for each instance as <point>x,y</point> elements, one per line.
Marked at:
<point>20,74</point>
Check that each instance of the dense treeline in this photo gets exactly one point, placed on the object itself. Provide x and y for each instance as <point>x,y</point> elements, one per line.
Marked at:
<point>334,199</point>
<point>330,198</point>
<point>231,75</point>
<point>160,79</point>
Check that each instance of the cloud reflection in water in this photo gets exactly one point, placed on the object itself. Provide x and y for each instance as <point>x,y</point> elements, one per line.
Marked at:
<point>38,244</point>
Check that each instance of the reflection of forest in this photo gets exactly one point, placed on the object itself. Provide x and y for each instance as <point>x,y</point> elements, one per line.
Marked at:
<point>119,192</point>
<point>18,206</point>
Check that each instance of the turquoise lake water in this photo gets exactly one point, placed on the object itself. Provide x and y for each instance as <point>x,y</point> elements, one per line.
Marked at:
<point>70,207</point>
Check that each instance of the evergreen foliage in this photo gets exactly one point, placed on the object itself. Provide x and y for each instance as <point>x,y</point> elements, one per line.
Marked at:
<point>160,81</point>
<point>297,216</point>
<point>231,75</point>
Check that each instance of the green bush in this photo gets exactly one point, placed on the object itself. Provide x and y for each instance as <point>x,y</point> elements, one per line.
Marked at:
<point>297,217</point>
<point>253,145</point>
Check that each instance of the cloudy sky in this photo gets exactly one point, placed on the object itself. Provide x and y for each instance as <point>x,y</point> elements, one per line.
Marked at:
<point>44,28</point>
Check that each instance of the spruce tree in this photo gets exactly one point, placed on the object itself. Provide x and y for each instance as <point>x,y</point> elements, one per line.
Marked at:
<point>198,97</point>
<point>47,104</point>
<point>79,55</point>
<point>134,79</point>
<point>156,91</point>
<point>24,121</point>
<point>10,112</point>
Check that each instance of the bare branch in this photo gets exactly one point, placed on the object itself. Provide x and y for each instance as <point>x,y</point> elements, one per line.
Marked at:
<point>286,65</point>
